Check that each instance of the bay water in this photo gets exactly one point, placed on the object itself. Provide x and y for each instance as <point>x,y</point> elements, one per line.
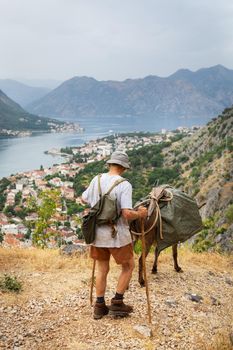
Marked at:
<point>27,153</point>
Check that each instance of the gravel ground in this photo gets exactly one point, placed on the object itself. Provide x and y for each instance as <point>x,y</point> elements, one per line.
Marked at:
<point>53,311</point>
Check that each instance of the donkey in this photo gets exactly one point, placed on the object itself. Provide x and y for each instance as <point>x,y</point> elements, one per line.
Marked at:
<point>150,239</point>
<point>153,224</point>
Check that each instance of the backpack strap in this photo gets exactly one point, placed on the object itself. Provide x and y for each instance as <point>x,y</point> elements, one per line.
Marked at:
<point>99,187</point>
<point>116,183</point>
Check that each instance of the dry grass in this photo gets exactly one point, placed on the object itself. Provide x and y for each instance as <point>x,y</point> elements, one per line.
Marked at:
<point>54,280</point>
<point>35,259</point>
<point>39,260</point>
<point>215,261</point>
<point>219,342</point>
<point>43,272</point>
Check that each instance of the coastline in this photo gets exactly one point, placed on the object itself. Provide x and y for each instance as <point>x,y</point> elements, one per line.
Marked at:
<point>26,153</point>
<point>65,127</point>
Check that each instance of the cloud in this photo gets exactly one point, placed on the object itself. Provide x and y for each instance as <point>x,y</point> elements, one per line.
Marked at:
<point>110,39</point>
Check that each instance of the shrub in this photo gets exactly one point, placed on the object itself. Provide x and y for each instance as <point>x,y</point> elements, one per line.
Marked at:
<point>138,247</point>
<point>10,283</point>
<point>229,214</point>
<point>1,236</point>
<point>196,173</point>
<point>183,158</point>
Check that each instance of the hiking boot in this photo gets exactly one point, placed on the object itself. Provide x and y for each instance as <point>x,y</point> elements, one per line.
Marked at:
<point>100,310</point>
<point>118,308</point>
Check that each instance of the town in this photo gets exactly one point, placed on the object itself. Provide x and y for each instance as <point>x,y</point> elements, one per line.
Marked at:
<point>21,195</point>
<point>101,148</point>
<point>66,127</point>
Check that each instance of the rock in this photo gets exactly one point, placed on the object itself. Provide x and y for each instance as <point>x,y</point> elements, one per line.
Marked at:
<point>231,337</point>
<point>215,301</point>
<point>226,243</point>
<point>194,297</point>
<point>229,281</point>
<point>143,330</point>
<point>212,202</point>
<point>211,273</point>
<point>171,302</point>
<point>218,238</point>
<point>73,249</point>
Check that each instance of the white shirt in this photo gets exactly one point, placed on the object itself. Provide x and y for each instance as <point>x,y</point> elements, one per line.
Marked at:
<point>123,193</point>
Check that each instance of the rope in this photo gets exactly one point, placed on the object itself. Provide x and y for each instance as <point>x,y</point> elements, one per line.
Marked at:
<point>144,271</point>
<point>152,226</point>
<point>163,198</point>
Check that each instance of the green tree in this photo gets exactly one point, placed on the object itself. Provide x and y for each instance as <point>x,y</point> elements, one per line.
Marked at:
<point>9,211</point>
<point>18,198</point>
<point>1,236</point>
<point>229,214</point>
<point>4,183</point>
<point>28,234</point>
<point>67,224</point>
<point>2,201</point>
<point>49,199</point>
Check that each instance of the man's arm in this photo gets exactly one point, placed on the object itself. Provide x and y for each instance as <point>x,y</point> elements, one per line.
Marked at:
<point>83,201</point>
<point>130,214</point>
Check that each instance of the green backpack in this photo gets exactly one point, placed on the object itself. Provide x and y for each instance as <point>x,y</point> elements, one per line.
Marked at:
<point>104,212</point>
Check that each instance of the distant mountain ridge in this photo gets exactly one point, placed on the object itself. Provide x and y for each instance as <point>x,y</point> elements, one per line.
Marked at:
<point>22,93</point>
<point>14,117</point>
<point>205,92</point>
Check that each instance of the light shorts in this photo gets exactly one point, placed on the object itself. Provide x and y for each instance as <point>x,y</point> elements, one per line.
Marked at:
<point>121,255</point>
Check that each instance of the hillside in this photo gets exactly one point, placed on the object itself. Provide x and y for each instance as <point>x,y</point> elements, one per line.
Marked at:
<point>184,94</point>
<point>201,165</point>
<point>206,161</point>
<point>22,93</point>
<point>14,117</point>
<point>52,311</point>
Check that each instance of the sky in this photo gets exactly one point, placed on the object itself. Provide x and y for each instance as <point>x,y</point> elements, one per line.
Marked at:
<point>112,39</point>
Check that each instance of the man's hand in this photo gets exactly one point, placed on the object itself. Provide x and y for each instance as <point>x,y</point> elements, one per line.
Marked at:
<point>83,202</point>
<point>143,212</point>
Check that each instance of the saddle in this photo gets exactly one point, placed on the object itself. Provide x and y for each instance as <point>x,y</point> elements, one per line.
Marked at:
<point>176,219</point>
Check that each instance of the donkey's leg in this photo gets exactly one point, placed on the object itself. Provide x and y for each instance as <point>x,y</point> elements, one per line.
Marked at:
<point>154,268</point>
<point>174,253</point>
<point>149,238</point>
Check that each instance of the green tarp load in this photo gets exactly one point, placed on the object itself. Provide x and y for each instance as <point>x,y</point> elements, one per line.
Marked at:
<point>179,213</point>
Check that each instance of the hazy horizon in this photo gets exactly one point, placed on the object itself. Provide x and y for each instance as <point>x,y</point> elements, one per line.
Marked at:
<point>53,83</point>
<point>109,40</point>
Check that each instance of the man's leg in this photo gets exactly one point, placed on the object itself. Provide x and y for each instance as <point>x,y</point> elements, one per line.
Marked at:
<point>118,308</point>
<point>125,276</point>
<point>101,277</point>
<point>100,308</point>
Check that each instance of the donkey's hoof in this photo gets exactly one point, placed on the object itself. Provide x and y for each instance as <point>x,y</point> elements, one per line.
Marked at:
<point>179,269</point>
<point>154,271</point>
<point>142,283</point>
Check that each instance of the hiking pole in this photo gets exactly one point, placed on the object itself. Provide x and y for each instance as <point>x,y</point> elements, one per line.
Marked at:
<point>92,282</point>
<point>144,269</point>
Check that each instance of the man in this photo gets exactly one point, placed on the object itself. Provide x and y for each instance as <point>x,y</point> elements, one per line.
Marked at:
<point>118,245</point>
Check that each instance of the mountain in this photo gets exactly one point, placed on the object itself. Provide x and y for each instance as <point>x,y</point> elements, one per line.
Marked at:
<point>21,93</point>
<point>206,172</point>
<point>14,117</point>
<point>47,83</point>
<point>191,94</point>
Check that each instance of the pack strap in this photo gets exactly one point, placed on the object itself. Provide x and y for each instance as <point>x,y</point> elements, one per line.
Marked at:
<point>99,187</point>
<point>158,194</point>
<point>116,183</point>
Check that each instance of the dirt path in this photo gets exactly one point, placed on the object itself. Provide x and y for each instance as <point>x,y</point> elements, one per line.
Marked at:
<point>53,312</point>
